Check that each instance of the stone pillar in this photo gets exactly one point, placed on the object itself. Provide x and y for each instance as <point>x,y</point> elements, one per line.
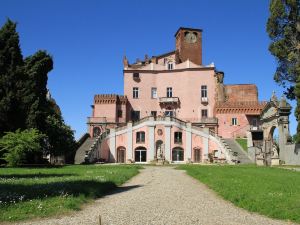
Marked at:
<point>151,152</point>
<point>129,155</point>
<point>205,144</point>
<point>168,142</point>
<point>112,146</point>
<point>249,139</point>
<point>188,141</point>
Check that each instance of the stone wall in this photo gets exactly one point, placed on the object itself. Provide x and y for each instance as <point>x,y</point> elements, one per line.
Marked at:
<point>291,154</point>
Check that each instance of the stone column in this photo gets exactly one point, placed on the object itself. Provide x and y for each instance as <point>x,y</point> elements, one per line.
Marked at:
<point>205,144</point>
<point>168,142</point>
<point>129,155</point>
<point>151,150</point>
<point>188,141</point>
<point>112,146</point>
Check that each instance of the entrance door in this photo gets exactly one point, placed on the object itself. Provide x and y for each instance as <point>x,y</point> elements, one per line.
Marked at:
<point>177,155</point>
<point>197,155</point>
<point>121,155</point>
<point>140,155</point>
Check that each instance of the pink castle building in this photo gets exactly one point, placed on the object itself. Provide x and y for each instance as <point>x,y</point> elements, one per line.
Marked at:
<point>174,109</point>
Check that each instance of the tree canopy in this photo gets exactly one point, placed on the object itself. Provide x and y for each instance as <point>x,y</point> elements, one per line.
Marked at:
<point>283,27</point>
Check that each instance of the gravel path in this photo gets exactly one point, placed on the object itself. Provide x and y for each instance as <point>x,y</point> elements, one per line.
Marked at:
<point>161,196</point>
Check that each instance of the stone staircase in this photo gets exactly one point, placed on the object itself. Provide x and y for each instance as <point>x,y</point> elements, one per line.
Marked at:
<point>242,156</point>
<point>83,149</point>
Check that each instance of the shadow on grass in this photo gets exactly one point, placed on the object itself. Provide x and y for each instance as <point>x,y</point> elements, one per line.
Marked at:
<point>89,189</point>
<point>34,175</point>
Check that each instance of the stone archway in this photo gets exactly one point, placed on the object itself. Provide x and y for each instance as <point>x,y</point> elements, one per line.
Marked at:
<point>274,115</point>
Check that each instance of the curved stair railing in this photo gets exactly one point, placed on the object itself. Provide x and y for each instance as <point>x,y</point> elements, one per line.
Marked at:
<point>229,154</point>
<point>93,154</point>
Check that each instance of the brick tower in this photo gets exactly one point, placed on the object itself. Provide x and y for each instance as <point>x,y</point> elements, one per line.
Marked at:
<point>189,45</point>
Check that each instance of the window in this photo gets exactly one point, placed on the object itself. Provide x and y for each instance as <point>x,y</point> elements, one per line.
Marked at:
<point>154,113</point>
<point>254,122</point>
<point>119,113</point>
<point>234,121</point>
<point>203,91</point>
<point>170,66</point>
<point>135,115</point>
<point>140,137</point>
<point>135,93</point>
<point>177,137</point>
<point>169,113</point>
<point>169,92</point>
<point>136,76</point>
<point>204,113</point>
<point>153,92</point>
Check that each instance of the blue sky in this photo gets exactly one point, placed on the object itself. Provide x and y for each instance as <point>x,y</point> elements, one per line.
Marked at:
<point>88,39</point>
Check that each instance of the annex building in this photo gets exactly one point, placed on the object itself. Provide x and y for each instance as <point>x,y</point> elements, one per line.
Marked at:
<point>174,109</point>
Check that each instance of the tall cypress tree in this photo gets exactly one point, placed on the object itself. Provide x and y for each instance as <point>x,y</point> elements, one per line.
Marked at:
<point>11,71</point>
<point>34,90</point>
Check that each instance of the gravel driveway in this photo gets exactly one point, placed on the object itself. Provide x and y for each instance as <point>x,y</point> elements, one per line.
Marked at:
<point>161,195</point>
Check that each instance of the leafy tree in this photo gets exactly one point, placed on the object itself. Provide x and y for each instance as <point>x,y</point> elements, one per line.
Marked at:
<point>297,110</point>
<point>283,27</point>
<point>17,145</point>
<point>61,139</point>
<point>24,99</point>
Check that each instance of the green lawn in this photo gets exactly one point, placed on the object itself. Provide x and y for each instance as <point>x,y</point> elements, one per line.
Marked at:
<point>273,192</point>
<point>243,143</point>
<point>38,192</point>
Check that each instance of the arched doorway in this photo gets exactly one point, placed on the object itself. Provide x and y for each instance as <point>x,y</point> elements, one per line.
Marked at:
<point>159,153</point>
<point>96,131</point>
<point>177,154</point>
<point>121,155</point>
<point>140,155</point>
<point>271,146</point>
<point>197,155</point>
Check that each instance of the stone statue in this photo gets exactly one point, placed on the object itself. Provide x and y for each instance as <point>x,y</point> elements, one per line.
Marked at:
<point>275,151</point>
<point>158,152</point>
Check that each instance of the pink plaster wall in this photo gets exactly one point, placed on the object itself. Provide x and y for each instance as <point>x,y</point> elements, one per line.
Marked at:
<point>186,85</point>
<point>227,130</point>
<point>104,152</point>
<point>212,146</point>
<point>106,110</point>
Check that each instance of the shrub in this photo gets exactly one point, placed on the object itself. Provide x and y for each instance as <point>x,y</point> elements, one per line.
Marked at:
<point>15,146</point>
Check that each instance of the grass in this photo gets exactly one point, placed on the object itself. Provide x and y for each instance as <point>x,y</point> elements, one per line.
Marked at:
<point>26,193</point>
<point>243,143</point>
<point>273,192</point>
